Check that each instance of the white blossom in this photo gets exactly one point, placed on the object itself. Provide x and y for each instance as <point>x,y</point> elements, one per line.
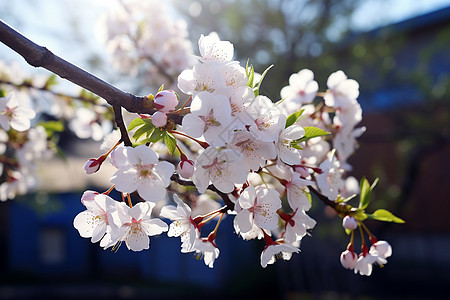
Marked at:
<point>143,173</point>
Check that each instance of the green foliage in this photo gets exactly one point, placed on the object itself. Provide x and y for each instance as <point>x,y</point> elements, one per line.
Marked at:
<point>258,86</point>
<point>364,197</point>
<point>51,127</point>
<point>384,215</point>
<point>170,142</point>
<point>51,81</point>
<point>292,118</point>
<point>250,73</point>
<point>311,132</point>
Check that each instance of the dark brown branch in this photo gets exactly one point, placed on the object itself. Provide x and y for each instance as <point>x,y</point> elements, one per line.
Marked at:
<point>121,124</point>
<point>341,209</point>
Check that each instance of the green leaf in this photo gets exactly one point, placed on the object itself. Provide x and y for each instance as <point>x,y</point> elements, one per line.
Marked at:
<point>161,88</point>
<point>348,231</point>
<point>52,126</point>
<point>157,135</point>
<point>359,214</point>
<point>308,195</point>
<point>57,126</point>
<point>292,118</point>
<point>135,123</point>
<point>145,129</point>
<point>251,77</point>
<point>374,183</point>
<point>51,81</point>
<point>364,196</point>
<point>311,132</point>
<point>2,93</point>
<point>260,81</point>
<point>295,145</point>
<point>170,142</point>
<point>385,215</point>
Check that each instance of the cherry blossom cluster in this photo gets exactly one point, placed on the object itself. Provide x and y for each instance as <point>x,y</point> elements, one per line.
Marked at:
<point>144,39</point>
<point>31,117</point>
<point>264,159</point>
<point>27,143</point>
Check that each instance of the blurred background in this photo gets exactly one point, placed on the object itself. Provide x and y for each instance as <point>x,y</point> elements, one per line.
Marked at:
<point>398,51</point>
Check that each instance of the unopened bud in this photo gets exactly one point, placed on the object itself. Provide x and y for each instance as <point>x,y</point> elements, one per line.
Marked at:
<point>349,223</point>
<point>93,165</point>
<point>166,101</point>
<point>349,259</point>
<point>159,119</point>
<point>186,168</point>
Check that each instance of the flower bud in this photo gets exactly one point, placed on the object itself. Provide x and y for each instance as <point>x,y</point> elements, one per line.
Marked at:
<point>186,168</point>
<point>159,119</point>
<point>349,259</point>
<point>165,101</point>
<point>349,223</point>
<point>93,165</point>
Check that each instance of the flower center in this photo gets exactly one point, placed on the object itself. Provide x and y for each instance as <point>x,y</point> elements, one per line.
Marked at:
<point>145,170</point>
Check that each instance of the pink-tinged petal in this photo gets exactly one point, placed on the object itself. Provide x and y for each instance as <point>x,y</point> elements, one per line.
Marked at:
<point>98,233</point>
<point>20,124</point>
<point>244,220</point>
<point>164,170</point>
<point>137,240</point>
<point>268,220</point>
<point>151,190</point>
<point>142,154</point>
<point>247,198</point>
<point>201,179</point>
<point>119,157</point>
<point>141,210</point>
<point>168,212</point>
<point>125,180</point>
<point>193,125</point>
<point>85,222</point>
<point>4,122</point>
<point>154,227</point>
<point>187,82</point>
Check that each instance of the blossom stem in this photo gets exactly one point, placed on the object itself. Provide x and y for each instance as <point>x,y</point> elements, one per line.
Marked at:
<point>109,190</point>
<point>363,241</point>
<point>213,212</point>
<point>129,200</point>
<point>218,223</point>
<point>282,181</point>
<point>209,219</point>
<point>371,236</point>
<point>114,147</point>
<point>185,103</point>
<point>352,238</point>
<point>203,144</point>
<point>182,155</point>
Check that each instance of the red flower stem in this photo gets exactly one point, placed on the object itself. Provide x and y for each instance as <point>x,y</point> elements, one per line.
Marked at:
<point>203,144</point>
